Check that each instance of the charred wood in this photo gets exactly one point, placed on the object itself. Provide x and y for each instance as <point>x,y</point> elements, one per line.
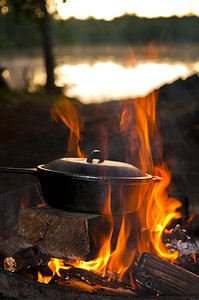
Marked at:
<point>89,281</point>
<point>166,278</point>
<point>30,261</point>
<point>26,258</point>
<point>184,240</point>
<point>14,285</point>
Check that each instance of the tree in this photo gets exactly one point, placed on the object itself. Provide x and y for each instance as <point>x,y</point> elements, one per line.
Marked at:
<point>37,11</point>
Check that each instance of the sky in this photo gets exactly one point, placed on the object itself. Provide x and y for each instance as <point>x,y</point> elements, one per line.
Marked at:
<point>108,9</point>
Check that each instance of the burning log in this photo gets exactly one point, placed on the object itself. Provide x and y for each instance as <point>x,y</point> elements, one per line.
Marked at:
<point>89,281</point>
<point>18,287</point>
<point>166,278</point>
<point>62,234</point>
<point>30,261</point>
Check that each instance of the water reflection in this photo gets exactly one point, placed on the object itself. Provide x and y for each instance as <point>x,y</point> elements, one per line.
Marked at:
<point>106,81</point>
<point>96,74</point>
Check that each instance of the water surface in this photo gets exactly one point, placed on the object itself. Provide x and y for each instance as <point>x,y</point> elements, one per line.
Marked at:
<point>97,74</point>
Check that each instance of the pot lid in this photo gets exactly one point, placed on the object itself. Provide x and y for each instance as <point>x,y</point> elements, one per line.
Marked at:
<point>94,165</point>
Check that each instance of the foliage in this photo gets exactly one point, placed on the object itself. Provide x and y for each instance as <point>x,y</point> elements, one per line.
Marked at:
<point>32,8</point>
<point>127,29</point>
<point>123,30</point>
<point>35,10</point>
<point>17,34</point>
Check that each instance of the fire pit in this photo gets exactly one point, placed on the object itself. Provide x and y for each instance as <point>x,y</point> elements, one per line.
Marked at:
<point>128,250</point>
<point>155,277</point>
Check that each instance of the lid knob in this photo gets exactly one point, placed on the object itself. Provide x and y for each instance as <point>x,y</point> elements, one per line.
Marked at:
<point>95,154</point>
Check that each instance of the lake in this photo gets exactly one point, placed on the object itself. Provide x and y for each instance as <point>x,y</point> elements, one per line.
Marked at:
<point>103,73</point>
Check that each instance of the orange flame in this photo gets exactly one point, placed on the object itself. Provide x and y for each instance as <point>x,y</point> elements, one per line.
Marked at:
<point>195,258</point>
<point>156,214</point>
<point>116,262</point>
<point>145,123</point>
<point>54,264</point>
<point>39,196</point>
<point>70,117</point>
<point>151,203</point>
<point>24,201</point>
<point>131,57</point>
<point>152,51</point>
<point>99,265</point>
<point>119,262</point>
<point>155,209</point>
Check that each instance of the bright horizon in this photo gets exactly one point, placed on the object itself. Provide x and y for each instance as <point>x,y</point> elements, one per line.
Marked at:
<point>109,9</point>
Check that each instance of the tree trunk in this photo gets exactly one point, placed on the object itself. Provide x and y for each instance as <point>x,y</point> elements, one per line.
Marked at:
<point>48,49</point>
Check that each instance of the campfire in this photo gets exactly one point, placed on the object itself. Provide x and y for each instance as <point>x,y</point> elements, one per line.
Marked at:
<point>111,228</point>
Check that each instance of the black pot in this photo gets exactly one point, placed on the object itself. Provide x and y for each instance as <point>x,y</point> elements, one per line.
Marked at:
<point>84,185</point>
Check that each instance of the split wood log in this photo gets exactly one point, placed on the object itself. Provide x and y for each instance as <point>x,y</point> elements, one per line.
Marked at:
<point>62,234</point>
<point>165,278</point>
<point>72,235</point>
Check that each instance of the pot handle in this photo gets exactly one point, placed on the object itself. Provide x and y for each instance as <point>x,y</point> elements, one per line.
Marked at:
<point>156,178</point>
<point>95,154</point>
<point>30,171</point>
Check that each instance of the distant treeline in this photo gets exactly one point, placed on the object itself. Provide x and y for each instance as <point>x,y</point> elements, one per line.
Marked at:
<point>123,30</point>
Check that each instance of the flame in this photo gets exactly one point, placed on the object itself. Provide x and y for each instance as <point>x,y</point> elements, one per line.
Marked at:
<point>119,262</point>
<point>150,201</point>
<point>195,258</point>
<point>190,219</point>
<point>39,196</point>
<point>156,214</point>
<point>43,279</point>
<point>152,51</point>
<point>24,201</point>
<point>155,208</point>
<point>70,117</point>
<point>99,265</point>
<point>55,265</point>
<point>115,262</point>
<point>131,57</point>
<point>145,123</point>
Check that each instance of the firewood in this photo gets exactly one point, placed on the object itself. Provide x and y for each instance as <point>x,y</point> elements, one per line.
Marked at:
<point>62,234</point>
<point>29,257</point>
<point>15,286</point>
<point>29,261</point>
<point>165,278</point>
<point>84,286</point>
<point>87,280</point>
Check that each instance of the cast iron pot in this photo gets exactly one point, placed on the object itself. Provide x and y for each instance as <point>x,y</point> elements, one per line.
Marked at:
<point>85,185</point>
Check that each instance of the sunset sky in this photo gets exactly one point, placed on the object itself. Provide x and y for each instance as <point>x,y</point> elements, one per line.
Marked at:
<point>108,9</point>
